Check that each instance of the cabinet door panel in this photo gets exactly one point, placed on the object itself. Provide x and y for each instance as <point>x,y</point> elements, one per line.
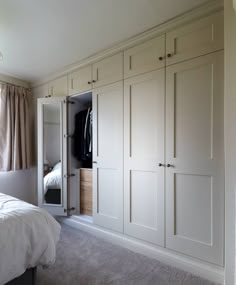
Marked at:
<point>108,155</point>
<point>58,87</point>
<point>194,150</point>
<point>143,151</point>
<point>80,80</point>
<point>108,70</point>
<point>195,39</point>
<point>41,91</point>
<point>145,57</point>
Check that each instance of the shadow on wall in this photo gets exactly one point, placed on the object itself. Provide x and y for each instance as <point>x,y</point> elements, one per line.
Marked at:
<point>20,184</point>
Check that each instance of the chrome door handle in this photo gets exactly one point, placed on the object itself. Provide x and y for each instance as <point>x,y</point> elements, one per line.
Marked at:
<point>69,175</point>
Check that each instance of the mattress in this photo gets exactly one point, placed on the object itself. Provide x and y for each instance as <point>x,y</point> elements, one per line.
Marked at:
<point>28,237</point>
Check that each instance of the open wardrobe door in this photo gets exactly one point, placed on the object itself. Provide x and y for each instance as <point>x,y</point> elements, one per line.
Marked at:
<point>52,155</point>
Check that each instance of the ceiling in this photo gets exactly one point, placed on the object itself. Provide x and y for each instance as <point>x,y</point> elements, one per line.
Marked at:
<point>40,37</point>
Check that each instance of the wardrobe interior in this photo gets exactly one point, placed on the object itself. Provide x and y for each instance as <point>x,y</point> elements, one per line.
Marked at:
<point>80,153</point>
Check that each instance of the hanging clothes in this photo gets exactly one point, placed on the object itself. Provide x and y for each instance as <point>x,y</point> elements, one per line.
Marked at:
<point>83,137</point>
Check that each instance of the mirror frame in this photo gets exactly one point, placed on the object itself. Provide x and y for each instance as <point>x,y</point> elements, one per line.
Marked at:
<point>55,209</point>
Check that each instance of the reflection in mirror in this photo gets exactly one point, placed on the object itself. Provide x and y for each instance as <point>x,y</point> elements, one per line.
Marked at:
<point>52,164</point>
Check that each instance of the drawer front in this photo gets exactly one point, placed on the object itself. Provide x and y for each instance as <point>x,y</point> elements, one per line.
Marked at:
<point>108,70</point>
<point>145,57</point>
<point>195,39</point>
<point>80,80</point>
<point>86,175</point>
<point>86,198</point>
<point>86,191</point>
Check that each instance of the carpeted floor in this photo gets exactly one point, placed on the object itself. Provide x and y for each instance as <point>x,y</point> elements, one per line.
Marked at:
<point>83,259</point>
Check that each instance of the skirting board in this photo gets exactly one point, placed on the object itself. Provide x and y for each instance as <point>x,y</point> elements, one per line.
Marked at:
<point>199,268</point>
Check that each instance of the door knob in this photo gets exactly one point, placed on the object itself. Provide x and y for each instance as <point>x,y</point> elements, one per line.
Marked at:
<point>169,165</point>
<point>169,55</point>
<point>161,164</point>
<point>94,161</point>
<point>93,81</point>
<point>160,58</point>
<point>89,82</point>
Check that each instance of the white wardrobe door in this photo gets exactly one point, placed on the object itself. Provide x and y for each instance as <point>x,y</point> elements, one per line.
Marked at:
<point>143,151</point>
<point>195,154</point>
<point>108,156</point>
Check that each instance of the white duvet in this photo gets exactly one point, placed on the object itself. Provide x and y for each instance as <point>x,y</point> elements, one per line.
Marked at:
<point>28,237</point>
<point>52,180</point>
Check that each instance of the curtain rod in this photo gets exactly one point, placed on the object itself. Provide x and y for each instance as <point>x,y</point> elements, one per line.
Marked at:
<point>27,88</point>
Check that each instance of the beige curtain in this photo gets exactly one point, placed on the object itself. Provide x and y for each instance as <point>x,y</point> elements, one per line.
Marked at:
<point>15,138</point>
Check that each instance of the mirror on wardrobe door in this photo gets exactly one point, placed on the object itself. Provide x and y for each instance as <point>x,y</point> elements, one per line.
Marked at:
<point>52,154</point>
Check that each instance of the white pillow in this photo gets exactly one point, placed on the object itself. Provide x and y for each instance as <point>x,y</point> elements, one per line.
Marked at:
<point>57,166</point>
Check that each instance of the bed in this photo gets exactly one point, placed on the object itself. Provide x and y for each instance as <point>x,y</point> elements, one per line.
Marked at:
<point>52,185</point>
<point>28,238</point>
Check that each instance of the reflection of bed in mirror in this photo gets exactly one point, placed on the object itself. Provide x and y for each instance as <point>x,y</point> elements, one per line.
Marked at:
<point>52,185</point>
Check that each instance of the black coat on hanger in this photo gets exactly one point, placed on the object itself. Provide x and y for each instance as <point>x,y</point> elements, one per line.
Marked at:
<point>82,149</point>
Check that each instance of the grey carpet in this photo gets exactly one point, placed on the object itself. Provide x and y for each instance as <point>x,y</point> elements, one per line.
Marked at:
<point>83,259</point>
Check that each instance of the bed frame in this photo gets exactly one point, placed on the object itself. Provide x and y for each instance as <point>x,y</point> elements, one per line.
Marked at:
<point>27,278</point>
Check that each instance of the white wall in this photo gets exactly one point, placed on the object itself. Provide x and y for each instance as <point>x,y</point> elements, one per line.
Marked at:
<point>230,138</point>
<point>19,184</point>
<point>12,80</point>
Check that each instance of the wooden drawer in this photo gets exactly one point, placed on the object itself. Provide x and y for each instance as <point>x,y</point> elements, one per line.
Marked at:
<point>145,57</point>
<point>86,198</point>
<point>86,174</point>
<point>86,191</point>
<point>195,39</point>
<point>80,80</point>
<point>108,70</point>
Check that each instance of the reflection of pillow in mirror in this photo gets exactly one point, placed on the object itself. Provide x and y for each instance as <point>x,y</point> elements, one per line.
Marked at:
<point>57,166</point>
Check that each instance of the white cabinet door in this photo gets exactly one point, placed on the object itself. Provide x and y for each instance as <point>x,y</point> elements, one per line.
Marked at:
<point>41,91</point>
<point>195,39</point>
<point>145,57</point>
<point>80,80</point>
<point>108,156</point>
<point>108,70</point>
<point>195,154</point>
<point>58,87</point>
<point>52,150</point>
<point>143,152</point>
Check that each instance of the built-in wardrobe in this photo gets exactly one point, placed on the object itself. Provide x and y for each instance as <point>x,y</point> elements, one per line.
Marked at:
<point>157,143</point>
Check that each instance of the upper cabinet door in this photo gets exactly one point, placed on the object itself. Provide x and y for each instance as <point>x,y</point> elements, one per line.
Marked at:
<point>145,57</point>
<point>108,70</point>
<point>108,156</point>
<point>195,39</point>
<point>41,91</point>
<point>195,157</point>
<point>58,87</point>
<point>52,155</point>
<point>80,80</point>
<point>144,136</point>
